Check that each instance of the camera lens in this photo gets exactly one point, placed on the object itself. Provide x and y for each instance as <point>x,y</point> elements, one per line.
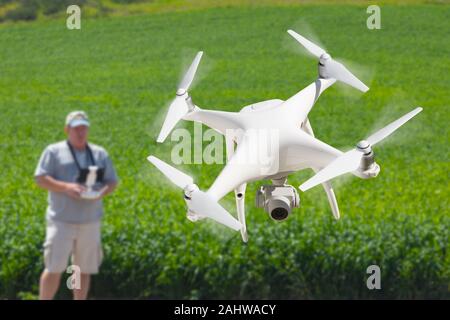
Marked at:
<point>279,213</point>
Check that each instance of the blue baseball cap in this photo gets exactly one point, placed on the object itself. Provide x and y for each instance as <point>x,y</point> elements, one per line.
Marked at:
<point>77,118</point>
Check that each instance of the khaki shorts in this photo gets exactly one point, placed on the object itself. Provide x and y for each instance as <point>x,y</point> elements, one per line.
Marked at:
<point>83,241</point>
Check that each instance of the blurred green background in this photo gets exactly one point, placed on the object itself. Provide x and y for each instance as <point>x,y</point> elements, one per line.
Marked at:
<point>123,67</point>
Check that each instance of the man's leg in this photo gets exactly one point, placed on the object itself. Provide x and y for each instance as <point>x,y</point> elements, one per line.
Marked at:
<point>87,255</point>
<point>57,247</point>
<point>81,294</point>
<point>49,284</point>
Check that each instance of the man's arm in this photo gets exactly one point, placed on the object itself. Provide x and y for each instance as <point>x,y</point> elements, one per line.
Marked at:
<point>73,190</point>
<point>110,176</point>
<point>108,188</point>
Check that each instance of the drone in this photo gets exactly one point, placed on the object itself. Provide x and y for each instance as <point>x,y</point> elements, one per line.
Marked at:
<point>294,147</point>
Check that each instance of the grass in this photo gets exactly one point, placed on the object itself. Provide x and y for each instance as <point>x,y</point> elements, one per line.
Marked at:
<point>123,71</point>
<point>47,9</point>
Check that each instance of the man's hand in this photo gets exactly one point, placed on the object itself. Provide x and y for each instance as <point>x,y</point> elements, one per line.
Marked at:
<point>104,191</point>
<point>74,190</point>
<point>107,189</point>
<point>100,194</point>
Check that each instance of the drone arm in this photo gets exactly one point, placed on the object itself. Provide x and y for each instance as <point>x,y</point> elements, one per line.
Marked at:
<point>299,105</point>
<point>326,185</point>
<point>306,126</point>
<point>242,167</point>
<point>220,121</point>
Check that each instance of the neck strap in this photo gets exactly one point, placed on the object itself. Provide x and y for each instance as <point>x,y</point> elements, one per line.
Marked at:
<point>89,155</point>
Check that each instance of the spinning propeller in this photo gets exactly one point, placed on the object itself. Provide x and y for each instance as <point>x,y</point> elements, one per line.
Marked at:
<point>329,68</point>
<point>179,106</point>
<point>352,160</point>
<point>200,203</point>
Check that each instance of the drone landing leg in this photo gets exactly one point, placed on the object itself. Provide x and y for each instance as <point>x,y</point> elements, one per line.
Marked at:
<point>240,204</point>
<point>239,192</point>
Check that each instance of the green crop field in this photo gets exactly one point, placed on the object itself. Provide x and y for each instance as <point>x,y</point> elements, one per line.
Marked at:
<point>123,71</point>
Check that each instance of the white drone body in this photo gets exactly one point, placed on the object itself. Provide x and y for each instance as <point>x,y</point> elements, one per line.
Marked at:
<point>289,143</point>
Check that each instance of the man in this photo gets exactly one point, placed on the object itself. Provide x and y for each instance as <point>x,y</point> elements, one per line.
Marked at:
<point>73,218</point>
